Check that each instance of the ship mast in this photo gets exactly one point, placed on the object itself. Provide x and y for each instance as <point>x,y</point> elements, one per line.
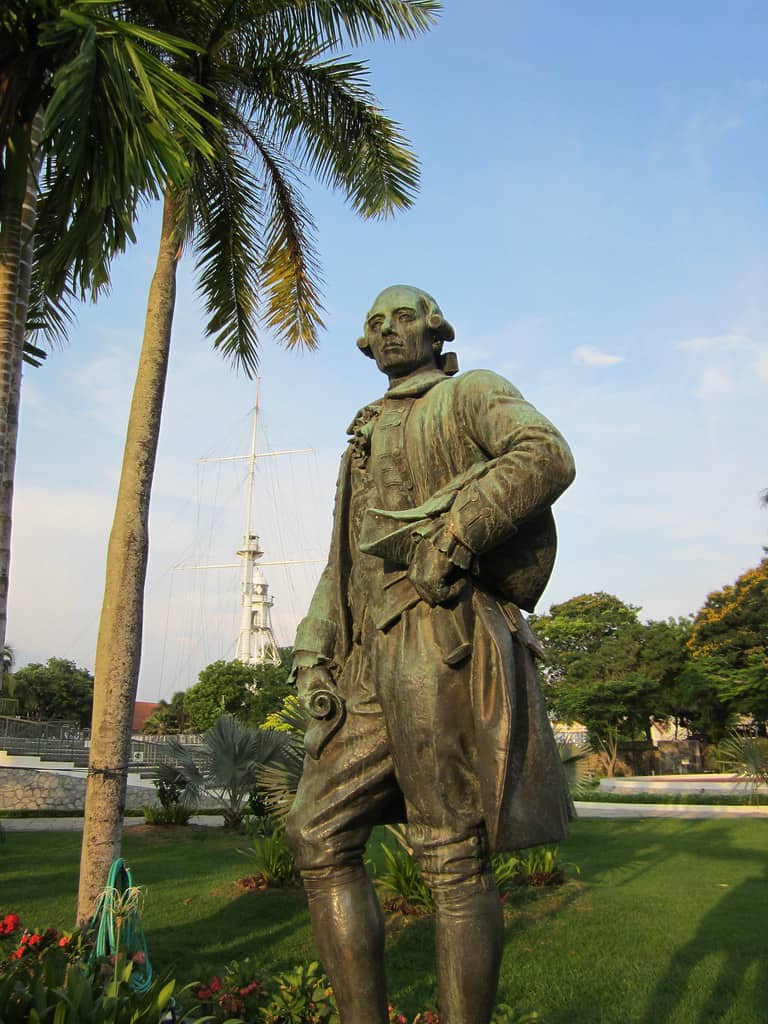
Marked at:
<point>256,641</point>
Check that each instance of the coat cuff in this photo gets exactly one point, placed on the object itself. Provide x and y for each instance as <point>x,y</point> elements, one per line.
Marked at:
<point>316,635</point>
<point>474,521</point>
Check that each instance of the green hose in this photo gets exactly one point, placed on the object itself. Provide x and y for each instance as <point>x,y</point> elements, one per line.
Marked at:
<point>117,924</point>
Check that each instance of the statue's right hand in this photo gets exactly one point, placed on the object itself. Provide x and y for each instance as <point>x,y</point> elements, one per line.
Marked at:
<point>315,678</point>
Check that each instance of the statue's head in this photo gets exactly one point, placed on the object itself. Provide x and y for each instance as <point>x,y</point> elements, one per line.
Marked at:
<point>405,330</point>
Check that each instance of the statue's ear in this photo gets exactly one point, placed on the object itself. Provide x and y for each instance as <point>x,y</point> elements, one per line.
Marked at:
<point>365,348</point>
<point>443,330</point>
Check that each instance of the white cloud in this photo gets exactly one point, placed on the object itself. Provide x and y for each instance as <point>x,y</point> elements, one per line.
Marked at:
<point>586,355</point>
<point>714,342</point>
<point>728,364</point>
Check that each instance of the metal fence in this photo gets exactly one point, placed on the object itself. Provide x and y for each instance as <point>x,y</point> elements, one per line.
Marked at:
<point>65,741</point>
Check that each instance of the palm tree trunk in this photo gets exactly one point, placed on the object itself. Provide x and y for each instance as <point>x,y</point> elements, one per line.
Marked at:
<point>118,648</point>
<point>18,214</point>
<point>10,251</point>
<point>12,398</point>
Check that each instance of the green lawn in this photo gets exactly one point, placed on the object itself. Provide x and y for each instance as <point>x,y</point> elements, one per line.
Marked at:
<point>665,924</point>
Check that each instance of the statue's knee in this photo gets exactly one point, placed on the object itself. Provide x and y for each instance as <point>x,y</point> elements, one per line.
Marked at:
<point>453,866</point>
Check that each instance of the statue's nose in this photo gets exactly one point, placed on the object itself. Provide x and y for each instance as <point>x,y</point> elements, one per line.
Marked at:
<point>388,326</point>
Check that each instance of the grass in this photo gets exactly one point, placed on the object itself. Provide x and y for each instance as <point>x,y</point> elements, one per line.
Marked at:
<point>664,925</point>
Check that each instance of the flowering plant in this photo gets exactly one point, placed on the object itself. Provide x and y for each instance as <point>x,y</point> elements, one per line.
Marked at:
<point>47,975</point>
<point>30,945</point>
<point>238,993</point>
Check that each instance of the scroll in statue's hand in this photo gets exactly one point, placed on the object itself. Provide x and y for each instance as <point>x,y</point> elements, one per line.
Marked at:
<point>315,678</point>
<point>317,692</point>
<point>434,576</point>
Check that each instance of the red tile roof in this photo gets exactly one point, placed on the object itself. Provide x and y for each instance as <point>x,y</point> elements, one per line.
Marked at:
<point>142,709</point>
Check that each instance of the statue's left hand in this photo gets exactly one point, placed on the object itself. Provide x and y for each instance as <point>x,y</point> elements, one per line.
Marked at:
<point>435,577</point>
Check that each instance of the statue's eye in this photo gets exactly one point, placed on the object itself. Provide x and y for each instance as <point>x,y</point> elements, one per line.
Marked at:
<point>405,317</point>
<point>375,322</point>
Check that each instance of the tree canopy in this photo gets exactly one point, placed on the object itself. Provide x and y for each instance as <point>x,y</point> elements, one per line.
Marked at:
<point>606,669</point>
<point>56,690</point>
<point>248,692</point>
<point>729,642</point>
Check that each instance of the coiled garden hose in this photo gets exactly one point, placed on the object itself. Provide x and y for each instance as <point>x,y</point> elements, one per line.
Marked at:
<point>117,925</point>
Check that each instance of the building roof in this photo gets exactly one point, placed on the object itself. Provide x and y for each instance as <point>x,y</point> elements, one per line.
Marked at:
<point>142,709</point>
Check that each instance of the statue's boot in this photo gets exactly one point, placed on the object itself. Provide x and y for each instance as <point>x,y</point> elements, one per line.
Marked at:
<point>469,935</point>
<point>349,934</point>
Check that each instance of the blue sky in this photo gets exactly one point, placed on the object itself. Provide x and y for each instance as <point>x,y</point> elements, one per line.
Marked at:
<point>592,219</point>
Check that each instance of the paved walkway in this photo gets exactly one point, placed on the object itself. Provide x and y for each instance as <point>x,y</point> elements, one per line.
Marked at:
<point>584,809</point>
<point>76,824</point>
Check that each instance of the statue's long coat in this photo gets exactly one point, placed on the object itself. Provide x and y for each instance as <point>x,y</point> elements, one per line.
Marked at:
<point>405,448</point>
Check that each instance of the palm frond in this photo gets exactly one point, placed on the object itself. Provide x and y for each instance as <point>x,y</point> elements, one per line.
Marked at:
<point>229,250</point>
<point>290,270</point>
<point>334,22</point>
<point>326,112</point>
<point>578,775</point>
<point>278,780</point>
<point>48,316</point>
<point>225,765</point>
<point>91,183</point>
<point>746,757</point>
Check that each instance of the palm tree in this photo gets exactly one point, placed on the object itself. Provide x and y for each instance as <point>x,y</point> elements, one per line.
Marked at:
<point>73,80</point>
<point>226,764</point>
<point>283,106</point>
<point>746,757</point>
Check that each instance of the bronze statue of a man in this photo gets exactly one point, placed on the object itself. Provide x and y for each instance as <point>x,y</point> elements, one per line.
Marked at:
<point>417,664</point>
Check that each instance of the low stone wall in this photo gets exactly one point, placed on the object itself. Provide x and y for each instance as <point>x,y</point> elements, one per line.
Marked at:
<point>703,784</point>
<point>25,789</point>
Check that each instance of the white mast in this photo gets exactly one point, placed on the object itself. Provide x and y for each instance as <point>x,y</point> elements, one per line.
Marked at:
<point>256,642</point>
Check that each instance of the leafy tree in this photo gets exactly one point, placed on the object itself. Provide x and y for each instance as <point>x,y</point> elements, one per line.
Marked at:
<point>249,692</point>
<point>269,688</point>
<point>222,689</point>
<point>84,109</point>
<point>168,717</point>
<point>729,643</point>
<point>56,690</point>
<point>226,764</point>
<point>606,669</point>
<point>280,104</point>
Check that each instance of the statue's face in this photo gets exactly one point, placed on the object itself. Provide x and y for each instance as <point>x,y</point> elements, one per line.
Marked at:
<point>397,333</point>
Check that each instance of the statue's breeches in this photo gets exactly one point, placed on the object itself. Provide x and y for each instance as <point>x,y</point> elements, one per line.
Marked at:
<point>405,752</point>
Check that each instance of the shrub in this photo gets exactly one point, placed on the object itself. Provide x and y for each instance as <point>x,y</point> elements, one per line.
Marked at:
<point>300,996</point>
<point>273,860</point>
<point>539,866</point>
<point>260,825</point>
<point>401,883</point>
<point>175,815</point>
<point>47,976</point>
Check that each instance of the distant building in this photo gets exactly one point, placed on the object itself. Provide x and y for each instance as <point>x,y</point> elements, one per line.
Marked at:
<point>142,709</point>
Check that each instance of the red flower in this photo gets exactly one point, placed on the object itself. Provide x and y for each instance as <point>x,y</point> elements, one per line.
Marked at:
<point>11,922</point>
<point>203,994</point>
<point>34,940</point>
<point>215,985</point>
<point>139,958</point>
<point>64,941</point>
<point>18,954</point>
